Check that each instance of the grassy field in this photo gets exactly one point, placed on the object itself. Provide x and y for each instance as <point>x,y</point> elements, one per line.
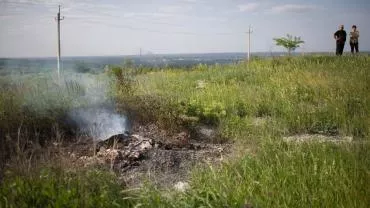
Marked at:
<point>255,106</point>
<point>313,95</point>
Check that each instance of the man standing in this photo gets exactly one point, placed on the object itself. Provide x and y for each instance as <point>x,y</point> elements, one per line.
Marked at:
<point>353,41</point>
<point>340,37</point>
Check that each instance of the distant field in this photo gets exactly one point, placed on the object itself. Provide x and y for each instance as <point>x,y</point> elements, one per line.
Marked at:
<point>255,105</point>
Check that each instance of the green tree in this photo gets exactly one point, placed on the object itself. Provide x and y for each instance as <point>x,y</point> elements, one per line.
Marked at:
<point>289,42</point>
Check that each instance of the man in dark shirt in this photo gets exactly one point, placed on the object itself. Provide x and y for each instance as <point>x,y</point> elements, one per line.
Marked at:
<point>340,37</point>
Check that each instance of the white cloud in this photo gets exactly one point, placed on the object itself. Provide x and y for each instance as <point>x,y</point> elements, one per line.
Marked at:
<point>250,7</point>
<point>293,8</point>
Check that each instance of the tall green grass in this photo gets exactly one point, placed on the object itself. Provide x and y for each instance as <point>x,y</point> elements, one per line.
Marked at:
<point>303,95</point>
<point>50,187</point>
<point>280,175</point>
<point>255,105</point>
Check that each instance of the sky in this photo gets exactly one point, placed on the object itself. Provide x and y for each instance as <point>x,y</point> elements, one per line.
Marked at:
<point>123,27</point>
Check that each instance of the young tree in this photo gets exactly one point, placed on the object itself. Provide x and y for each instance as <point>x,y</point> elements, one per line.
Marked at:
<point>289,42</point>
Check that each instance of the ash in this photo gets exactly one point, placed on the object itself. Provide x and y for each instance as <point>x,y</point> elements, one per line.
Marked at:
<point>151,154</point>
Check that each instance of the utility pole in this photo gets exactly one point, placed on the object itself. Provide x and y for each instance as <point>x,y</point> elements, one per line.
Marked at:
<point>249,42</point>
<point>58,19</point>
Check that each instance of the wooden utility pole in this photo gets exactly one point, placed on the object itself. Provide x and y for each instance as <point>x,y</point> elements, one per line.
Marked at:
<point>58,19</point>
<point>249,42</point>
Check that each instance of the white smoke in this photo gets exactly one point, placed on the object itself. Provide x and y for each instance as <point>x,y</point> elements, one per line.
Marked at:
<point>81,101</point>
<point>96,116</point>
<point>100,123</point>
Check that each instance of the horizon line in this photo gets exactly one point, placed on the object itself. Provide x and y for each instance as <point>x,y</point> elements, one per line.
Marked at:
<point>164,54</point>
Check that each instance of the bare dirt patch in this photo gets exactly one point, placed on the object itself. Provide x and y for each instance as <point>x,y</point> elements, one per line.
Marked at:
<point>148,154</point>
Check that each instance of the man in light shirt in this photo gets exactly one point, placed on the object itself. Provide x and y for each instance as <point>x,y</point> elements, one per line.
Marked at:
<point>353,41</point>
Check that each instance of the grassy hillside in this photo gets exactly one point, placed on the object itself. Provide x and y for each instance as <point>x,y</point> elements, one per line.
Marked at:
<point>255,106</point>
<point>300,95</point>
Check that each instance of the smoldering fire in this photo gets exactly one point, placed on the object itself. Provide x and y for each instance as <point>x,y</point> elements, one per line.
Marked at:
<point>98,122</point>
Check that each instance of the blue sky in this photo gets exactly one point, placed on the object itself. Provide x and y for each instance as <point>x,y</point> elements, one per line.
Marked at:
<point>122,27</point>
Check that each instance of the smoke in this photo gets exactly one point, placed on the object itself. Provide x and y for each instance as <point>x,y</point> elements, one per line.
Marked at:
<point>84,100</point>
<point>100,123</point>
<point>95,113</point>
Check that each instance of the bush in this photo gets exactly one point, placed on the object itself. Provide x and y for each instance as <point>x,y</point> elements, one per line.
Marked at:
<point>208,114</point>
<point>153,109</point>
<point>124,82</point>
